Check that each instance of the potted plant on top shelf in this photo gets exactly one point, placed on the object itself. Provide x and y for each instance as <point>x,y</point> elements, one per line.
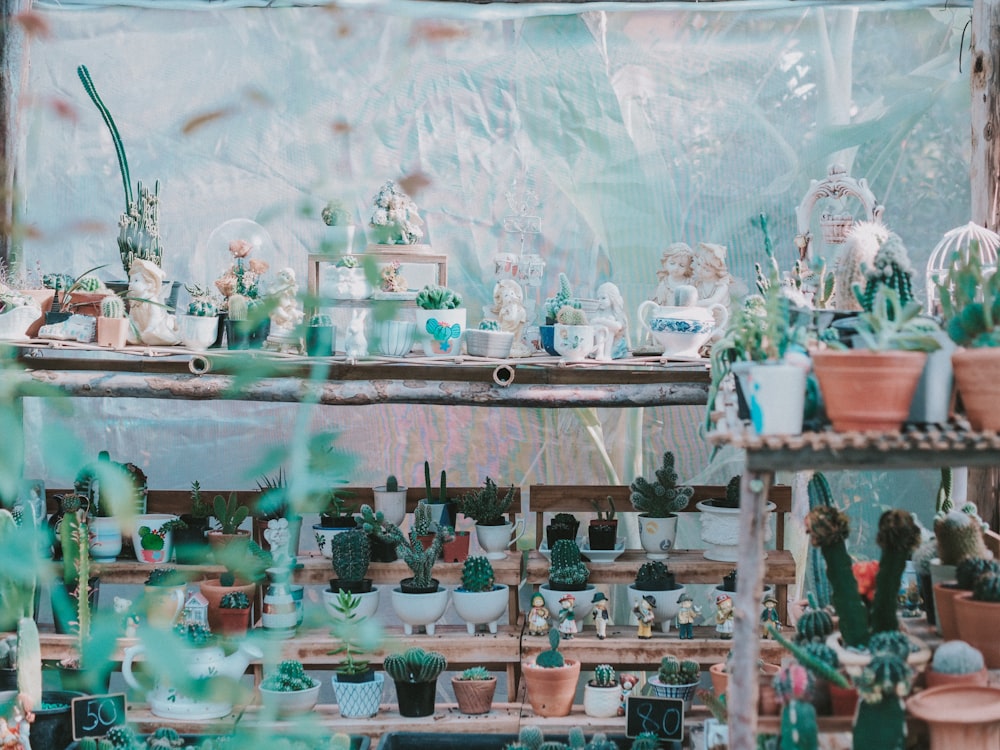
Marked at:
<point>190,543</point>
<point>720,523</point>
<point>420,600</point>
<point>602,533</point>
<point>382,535</point>
<point>871,388</point>
<point>561,526</point>
<point>441,321</point>
<point>443,511</point>
<point>562,298</point>
<point>494,531</point>
<point>390,500</point>
<point>970,307</point>
<point>358,687</point>
<point>658,503</point>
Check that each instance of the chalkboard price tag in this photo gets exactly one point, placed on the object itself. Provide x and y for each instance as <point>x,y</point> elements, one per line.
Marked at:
<point>662,716</point>
<point>94,715</point>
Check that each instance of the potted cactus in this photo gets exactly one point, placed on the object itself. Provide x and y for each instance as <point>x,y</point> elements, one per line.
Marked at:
<point>383,536</point>
<point>190,542</point>
<point>245,564</point>
<point>112,324</point>
<point>976,614</point>
<point>489,341</point>
<point>350,555</point>
<point>551,679</point>
<point>358,687</point>
<point>676,678</point>
<point>321,336</point>
<point>444,512</point>
<point>390,500</point>
<point>720,523</point>
<point>440,321</point>
<point>561,526</point>
<point>474,690</point>
<point>234,614</point>
<point>419,600</point>
<point>956,662</point>
<point>229,516</point>
<point>568,573</point>
<point>958,535</point>
<point>339,235</point>
<point>602,533</point>
<point>198,327</point>
<point>655,579</point>
<point>573,336</point>
<point>658,502</point>
<point>562,297</point>
<point>479,600</point>
<point>289,690</point>
<point>415,674</point>
<point>602,694</point>
<point>494,530</point>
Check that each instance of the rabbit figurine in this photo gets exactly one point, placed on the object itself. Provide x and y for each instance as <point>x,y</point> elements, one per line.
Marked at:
<point>355,342</point>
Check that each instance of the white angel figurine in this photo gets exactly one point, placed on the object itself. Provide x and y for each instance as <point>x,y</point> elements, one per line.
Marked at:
<point>151,323</point>
<point>508,307</point>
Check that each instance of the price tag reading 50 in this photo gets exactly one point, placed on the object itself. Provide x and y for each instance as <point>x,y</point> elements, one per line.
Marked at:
<point>94,715</point>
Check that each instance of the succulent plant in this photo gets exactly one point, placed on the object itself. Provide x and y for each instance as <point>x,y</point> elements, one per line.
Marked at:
<point>662,497</point>
<point>600,741</point>
<point>563,297</point>
<point>957,657</point>
<point>350,555</point>
<point>194,633</point>
<point>475,673</point>
<point>890,268</point>
<point>987,588</point>
<point>335,214</point>
<point>892,641</point>
<point>239,307</point>
<point>970,300</point>
<point>415,665</point>
<point>477,574</point>
<point>814,624</point>
<point>121,737</point>
<point>489,325</point>
<point>881,717</point>
<point>673,671</point>
<point>794,686</point>
<point>112,306</point>
<point>435,297</point>
<point>423,519</point>
<point>566,567</point>
<point>373,523</point>
<point>391,483</point>
<point>653,575</point>
<point>551,658</point>
<point>201,304</point>
<point>571,316</point>
<point>420,561</point>
<point>289,678</point>
<point>234,600</point>
<point>564,521</point>
<point>485,505</point>
<point>604,676</point>
<point>530,736</point>
<point>229,513</point>
<point>442,494</point>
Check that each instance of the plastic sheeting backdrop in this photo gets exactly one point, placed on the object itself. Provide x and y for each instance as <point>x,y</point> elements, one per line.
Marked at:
<point>635,126</point>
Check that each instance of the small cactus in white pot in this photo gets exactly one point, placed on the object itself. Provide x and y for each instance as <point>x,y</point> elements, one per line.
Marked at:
<point>489,341</point>
<point>339,235</point>
<point>390,499</point>
<point>112,324</point>
<point>199,328</point>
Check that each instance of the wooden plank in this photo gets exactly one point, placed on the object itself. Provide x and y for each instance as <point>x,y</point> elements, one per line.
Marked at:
<point>985,112</point>
<point>689,566</point>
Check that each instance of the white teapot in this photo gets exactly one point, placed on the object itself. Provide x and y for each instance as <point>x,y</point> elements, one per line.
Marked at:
<point>208,661</point>
<point>682,329</point>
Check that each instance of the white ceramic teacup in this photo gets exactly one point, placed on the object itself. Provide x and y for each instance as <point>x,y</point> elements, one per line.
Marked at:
<point>576,343</point>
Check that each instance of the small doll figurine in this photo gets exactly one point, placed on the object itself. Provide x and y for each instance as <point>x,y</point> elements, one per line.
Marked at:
<point>567,617</point>
<point>769,616</point>
<point>628,683</point>
<point>645,614</point>
<point>724,616</point>
<point>601,616</point>
<point>538,616</point>
<point>686,617</point>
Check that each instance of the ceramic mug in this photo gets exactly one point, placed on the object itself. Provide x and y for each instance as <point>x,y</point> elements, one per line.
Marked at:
<point>496,539</point>
<point>576,343</point>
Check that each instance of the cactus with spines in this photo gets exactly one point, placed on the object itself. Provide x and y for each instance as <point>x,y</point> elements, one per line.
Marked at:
<point>987,588</point>
<point>475,673</point>
<point>923,555</point>
<point>121,737</point>
<point>105,744</point>
<point>165,737</point>
<point>819,494</point>
<point>575,738</point>
<point>814,624</point>
<point>477,574</point>
<point>87,743</point>
<point>88,283</point>
<point>16,592</point>
<point>201,304</point>
<point>422,519</point>
<point>653,575</point>
<point>571,316</point>
<point>957,657</point>
<point>819,651</point>
<point>420,561</point>
<point>551,658</point>
<point>485,505</point>
<point>604,676</point>
<point>828,528</point>
<point>649,740</point>
<point>391,483</point>
<point>661,497</point>
<point>881,717</point>
<point>234,600</point>
<point>566,568</point>
<point>553,745</point>
<point>350,555</point>
<point>29,661</point>
<point>489,325</point>
<point>112,306</point>
<point>8,652</point>
<point>563,297</point>
<point>600,741</point>
<point>673,671</point>
<point>812,659</point>
<point>890,268</point>
<point>239,307</point>
<point>530,737</point>
<point>442,489</point>
<point>891,641</point>
<point>943,502</point>
<point>415,665</point>
<point>75,540</point>
<point>959,535</point>
<point>373,523</point>
<point>230,513</point>
<point>971,569</point>
<point>897,536</point>
<point>290,677</point>
<point>794,685</point>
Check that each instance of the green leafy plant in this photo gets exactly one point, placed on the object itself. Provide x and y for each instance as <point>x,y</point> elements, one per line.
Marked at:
<point>234,600</point>
<point>891,325</point>
<point>661,497</point>
<point>970,300</point>
<point>475,673</point>
<point>604,515</point>
<point>435,297</point>
<point>355,635</point>
<point>485,506</point>
<point>229,514</point>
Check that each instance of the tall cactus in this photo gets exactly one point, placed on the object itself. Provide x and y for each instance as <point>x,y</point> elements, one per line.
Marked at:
<point>898,535</point>
<point>75,539</point>
<point>350,555</point>
<point>819,494</point>
<point>828,528</point>
<point>29,661</point>
<point>17,590</point>
<point>881,718</point>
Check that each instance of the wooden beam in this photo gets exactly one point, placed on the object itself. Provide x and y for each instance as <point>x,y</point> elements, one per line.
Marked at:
<point>13,69</point>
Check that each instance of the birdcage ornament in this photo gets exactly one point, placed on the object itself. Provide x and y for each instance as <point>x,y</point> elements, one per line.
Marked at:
<point>959,240</point>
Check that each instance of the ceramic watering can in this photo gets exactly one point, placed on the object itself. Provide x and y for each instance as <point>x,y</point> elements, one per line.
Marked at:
<point>202,663</point>
<point>682,329</point>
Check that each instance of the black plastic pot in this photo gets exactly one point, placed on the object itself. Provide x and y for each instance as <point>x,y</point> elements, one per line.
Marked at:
<point>926,585</point>
<point>603,535</point>
<point>363,586</point>
<point>190,544</point>
<point>53,727</point>
<point>554,534</point>
<point>408,587</point>
<point>237,334</point>
<point>416,698</point>
<point>64,606</point>
<point>382,551</point>
<point>320,340</point>
<point>8,679</point>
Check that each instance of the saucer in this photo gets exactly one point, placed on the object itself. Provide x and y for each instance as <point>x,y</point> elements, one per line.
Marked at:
<point>603,555</point>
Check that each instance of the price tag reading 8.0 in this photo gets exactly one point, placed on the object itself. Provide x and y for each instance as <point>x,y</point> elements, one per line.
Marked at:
<point>662,716</point>
<point>94,715</point>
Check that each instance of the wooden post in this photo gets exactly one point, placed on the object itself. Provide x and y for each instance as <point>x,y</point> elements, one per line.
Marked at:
<point>984,174</point>
<point>13,67</point>
<point>743,679</point>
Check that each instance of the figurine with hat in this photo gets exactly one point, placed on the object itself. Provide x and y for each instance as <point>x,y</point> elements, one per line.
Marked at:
<point>769,616</point>
<point>567,617</point>
<point>538,616</point>
<point>645,615</point>
<point>602,618</point>
<point>687,616</point>
<point>724,616</point>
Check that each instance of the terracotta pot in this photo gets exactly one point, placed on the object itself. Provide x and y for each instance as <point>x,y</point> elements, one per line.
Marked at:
<point>112,332</point>
<point>867,390</point>
<point>231,622</point>
<point>977,623</point>
<point>944,605</point>
<point>474,696</point>
<point>720,678</point>
<point>939,679</point>
<point>959,716</point>
<point>213,590</point>
<point>551,690</point>
<point>768,703</point>
<point>977,375</point>
<point>84,303</point>
<point>843,701</point>
<point>457,550</point>
<point>218,540</point>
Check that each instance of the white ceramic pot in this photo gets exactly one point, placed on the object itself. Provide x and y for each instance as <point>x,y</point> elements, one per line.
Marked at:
<point>776,395</point>
<point>601,702</point>
<point>284,703</point>
<point>197,332</point>
<point>480,607</point>
<point>339,238</point>
<point>105,539</point>
<point>358,700</point>
<point>721,530</point>
<point>153,545</point>
<point>323,535</point>
<point>576,343</point>
<point>344,283</point>
<point>367,606</point>
<point>666,607</point>
<point>392,504</point>
<point>440,332</point>
<point>394,338</point>
<point>495,344</point>
<point>494,540</point>
<point>657,535</point>
<point>581,607</point>
<point>419,610</point>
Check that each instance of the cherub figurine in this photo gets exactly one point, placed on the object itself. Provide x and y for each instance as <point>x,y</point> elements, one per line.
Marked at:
<point>601,615</point>
<point>567,617</point>
<point>277,536</point>
<point>287,313</point>
<point>676,269</point>
<point>628,683</point>
<point>508,307</point>
<point>538,616</point>
<point>645,614</point>
<point>769,616</point>
<point>686,617</point>
<point>724,616</point>
<point>612,318</point>
<point>711,275</point>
